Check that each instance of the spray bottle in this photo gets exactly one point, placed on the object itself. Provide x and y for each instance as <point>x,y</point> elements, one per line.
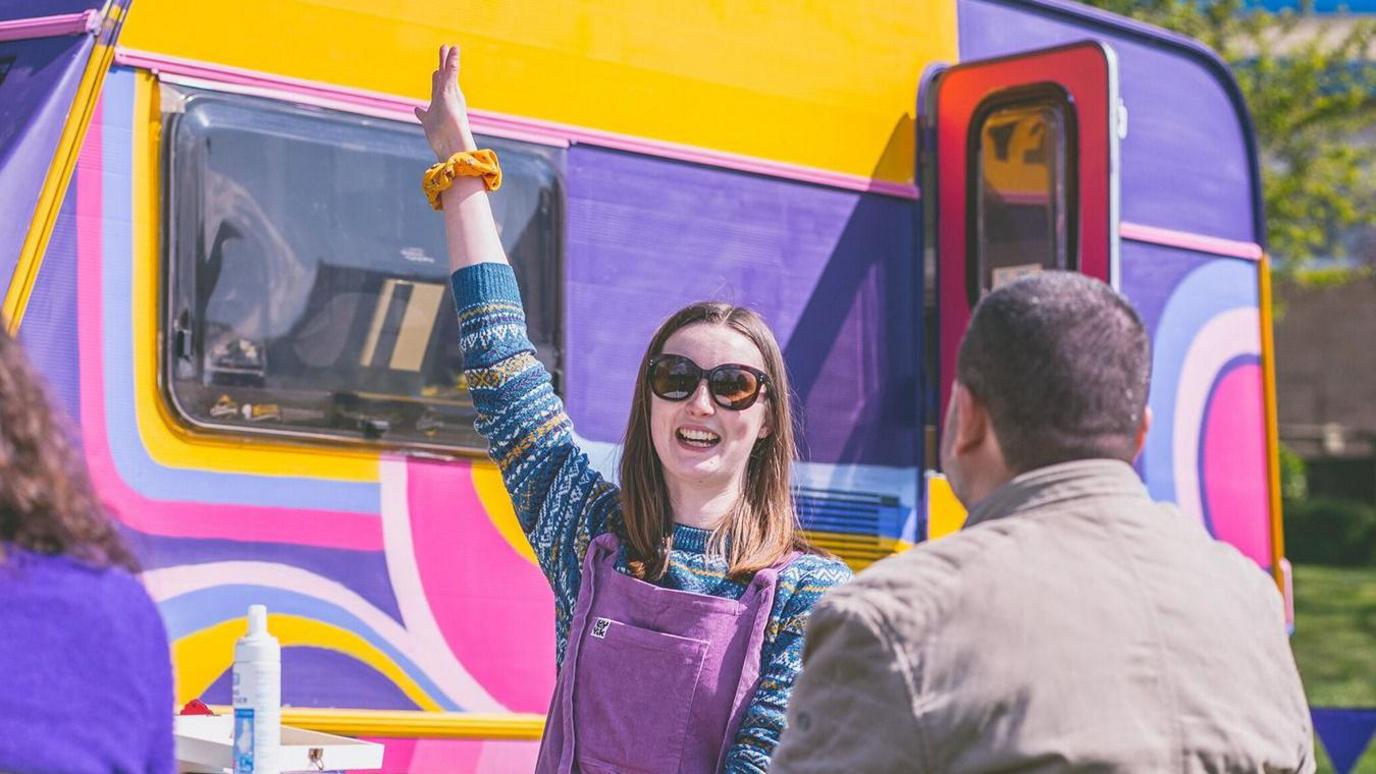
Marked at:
<point>257,697</point>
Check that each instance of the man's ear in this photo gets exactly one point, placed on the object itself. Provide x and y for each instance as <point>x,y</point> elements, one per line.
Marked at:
<point>972,427</point>
<point>1141,440</point>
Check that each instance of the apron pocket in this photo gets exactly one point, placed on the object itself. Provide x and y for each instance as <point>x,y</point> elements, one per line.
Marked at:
<point>633,696</point>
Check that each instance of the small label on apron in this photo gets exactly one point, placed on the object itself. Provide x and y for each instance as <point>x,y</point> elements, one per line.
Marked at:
<point>600,627</point>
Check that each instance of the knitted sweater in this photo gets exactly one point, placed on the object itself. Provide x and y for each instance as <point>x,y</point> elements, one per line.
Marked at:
<point>88,678</point>
<point>563,503</point>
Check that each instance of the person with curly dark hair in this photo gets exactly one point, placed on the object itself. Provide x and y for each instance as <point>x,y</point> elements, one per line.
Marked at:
<point>87,676</point>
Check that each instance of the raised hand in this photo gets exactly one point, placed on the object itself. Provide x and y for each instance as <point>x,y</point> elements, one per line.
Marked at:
<point>446,119</point>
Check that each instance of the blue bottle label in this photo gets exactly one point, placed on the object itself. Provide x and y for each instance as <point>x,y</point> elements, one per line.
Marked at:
<point>243,740</point>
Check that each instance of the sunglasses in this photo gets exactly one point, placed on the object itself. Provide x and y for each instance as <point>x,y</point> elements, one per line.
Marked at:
<point>732,386</point>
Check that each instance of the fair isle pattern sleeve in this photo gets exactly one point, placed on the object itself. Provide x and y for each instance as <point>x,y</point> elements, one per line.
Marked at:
<point>561,502</point>
<point>801,584</point>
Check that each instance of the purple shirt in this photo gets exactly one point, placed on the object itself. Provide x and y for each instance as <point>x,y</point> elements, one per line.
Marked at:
<point>87,683</point>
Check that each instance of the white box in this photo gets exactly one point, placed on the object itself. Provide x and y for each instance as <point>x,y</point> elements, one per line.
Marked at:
<point>205,743</point>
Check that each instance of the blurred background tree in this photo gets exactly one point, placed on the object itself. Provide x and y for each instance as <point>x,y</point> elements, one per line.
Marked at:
<point>1310,81</point>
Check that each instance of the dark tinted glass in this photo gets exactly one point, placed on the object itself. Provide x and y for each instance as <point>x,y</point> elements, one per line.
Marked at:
<point>308,278</point>
<point>735,387</point>
<point>674,377</point>
<point>1021,191</point>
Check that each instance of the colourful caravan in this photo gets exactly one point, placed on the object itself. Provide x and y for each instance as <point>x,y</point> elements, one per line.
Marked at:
<point>235,288</point>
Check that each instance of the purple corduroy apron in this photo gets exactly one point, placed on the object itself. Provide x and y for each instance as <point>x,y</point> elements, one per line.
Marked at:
<point>654,680</point>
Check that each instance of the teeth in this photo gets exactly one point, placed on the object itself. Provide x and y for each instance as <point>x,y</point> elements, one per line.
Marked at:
<point>698,436</point>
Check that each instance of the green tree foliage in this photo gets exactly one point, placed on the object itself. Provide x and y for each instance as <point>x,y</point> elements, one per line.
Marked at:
<point>1311,85</point>
<point>1294,475</point>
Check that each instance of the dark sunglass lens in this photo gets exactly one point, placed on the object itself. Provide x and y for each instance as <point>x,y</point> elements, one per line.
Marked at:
<point>735,387</point>
<point>674,378</point>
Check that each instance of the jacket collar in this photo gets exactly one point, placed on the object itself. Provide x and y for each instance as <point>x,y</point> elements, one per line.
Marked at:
<point>1064,481</point>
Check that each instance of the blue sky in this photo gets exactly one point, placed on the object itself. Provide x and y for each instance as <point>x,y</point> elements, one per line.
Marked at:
<point>1324,6</point>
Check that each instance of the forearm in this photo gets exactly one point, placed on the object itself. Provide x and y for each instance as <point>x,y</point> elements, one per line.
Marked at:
<point>800,587</point>
<point>560,501</point>
<point>758,735</point>
<point>470,231</point>
<point>469,228</point>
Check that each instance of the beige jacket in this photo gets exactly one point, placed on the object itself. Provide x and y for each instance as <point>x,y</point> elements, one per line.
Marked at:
<point>1073,624</point>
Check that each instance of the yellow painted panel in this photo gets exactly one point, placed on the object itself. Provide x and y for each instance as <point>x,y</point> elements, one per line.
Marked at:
<point>166,442</point>
<point>201,657</point>
<point>945,514</point>
<point>824,84</point>
<point>858,551</point>
<point>487,482</point>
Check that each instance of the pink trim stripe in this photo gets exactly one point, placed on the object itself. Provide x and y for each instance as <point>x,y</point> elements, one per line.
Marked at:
<point>83,23</point>
<point>326,529</point>
<point>496,124</point>
<point>1189,241</point>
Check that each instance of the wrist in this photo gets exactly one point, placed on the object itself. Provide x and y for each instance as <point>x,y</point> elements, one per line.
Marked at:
<point>458,141</point>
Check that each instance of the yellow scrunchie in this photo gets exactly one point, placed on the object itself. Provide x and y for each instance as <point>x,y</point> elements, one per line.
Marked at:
<point>479,163</point>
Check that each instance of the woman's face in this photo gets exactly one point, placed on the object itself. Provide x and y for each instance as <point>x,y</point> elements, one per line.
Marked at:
<point>700,443</point>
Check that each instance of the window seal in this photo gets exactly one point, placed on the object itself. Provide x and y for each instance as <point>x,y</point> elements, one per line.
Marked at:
<point>180,196</point>
<point>1028,95</point>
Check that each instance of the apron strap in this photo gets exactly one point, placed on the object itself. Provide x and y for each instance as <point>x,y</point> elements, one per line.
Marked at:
<point>750,670</point>
<point>602,549</point>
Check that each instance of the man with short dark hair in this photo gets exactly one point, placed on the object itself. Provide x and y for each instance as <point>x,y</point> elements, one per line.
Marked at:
<point>1073,624</point>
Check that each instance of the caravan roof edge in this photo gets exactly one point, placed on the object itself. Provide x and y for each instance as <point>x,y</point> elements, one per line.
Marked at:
<point>381,105</point>
<point>1206,56</point>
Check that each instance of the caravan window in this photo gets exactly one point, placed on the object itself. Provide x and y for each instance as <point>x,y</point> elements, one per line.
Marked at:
<point>1021,186</point>
<point>307,278</point>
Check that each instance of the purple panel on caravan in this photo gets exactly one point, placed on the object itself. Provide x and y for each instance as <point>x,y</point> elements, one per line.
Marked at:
<point>362,572</point>
<point>1184,163</point>
<point>1151,273</point>
<point>832,271</point>
<point>35,95</point>
<point>49,330</point>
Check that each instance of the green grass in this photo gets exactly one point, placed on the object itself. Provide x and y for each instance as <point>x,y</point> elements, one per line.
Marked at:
<point>1335,640</point>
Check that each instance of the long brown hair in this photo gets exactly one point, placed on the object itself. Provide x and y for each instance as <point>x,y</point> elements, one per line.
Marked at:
<point>46,502</point>
<point>763,526</point>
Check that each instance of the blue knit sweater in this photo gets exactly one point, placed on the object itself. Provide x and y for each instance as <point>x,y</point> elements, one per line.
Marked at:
<point>562,503</point>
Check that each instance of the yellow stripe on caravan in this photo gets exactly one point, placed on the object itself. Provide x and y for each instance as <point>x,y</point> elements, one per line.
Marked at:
<point>1268,365</point>
<point>55,184</point>
<point>414,724</point>
<point>201,657</point>
<point>487,482</point>
<point>827,85</point>
<point>166,442</point>
<point>945,514</point>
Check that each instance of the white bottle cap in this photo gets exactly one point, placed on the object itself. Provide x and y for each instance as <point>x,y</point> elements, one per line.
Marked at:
<point>257,644</point>
<point>257,620</point>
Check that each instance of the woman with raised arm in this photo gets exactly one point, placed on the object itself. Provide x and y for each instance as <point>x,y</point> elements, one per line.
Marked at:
<point>681,596</point>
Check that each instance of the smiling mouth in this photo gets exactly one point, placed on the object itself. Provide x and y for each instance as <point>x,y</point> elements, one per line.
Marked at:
<point>698,439</point>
